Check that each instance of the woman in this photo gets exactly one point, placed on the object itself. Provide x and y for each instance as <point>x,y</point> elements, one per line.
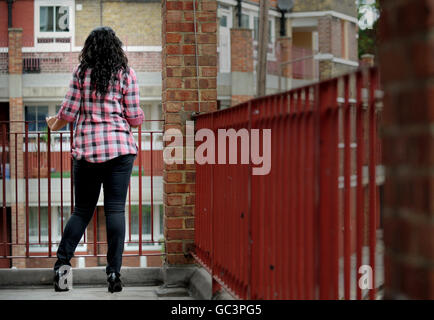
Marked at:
<point>103,99</point>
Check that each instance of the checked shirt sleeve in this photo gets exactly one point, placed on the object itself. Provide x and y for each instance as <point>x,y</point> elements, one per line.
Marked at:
<point>71,103</point>
<point>132,111</point>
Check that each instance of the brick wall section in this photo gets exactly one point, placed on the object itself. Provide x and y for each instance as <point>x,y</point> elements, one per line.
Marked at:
<point>344,6</point>
<point>140,24</point>
<point>285,55</point>
<point>407,69</point>
<point>241,50</point>
<point>52,62</point>
<point>324,34</point>
<point>179,100</point>
<point>273,3</point>
<point>15,54</point>
<point>241,57</point>
<point>353,41</point>
<point>15,67</point>
<point>325,69</point>
<point>237,99</point>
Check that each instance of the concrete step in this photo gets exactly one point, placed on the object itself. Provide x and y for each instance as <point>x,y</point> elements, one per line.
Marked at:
<point>87,293</point>
<point>81,276</point>
<point>178,282</point>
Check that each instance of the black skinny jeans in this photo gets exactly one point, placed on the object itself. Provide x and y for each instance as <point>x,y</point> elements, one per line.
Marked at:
<point>115,176</point>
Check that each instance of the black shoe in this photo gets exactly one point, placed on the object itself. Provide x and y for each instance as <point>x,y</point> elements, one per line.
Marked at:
<point>56,278</point>
<point>114,283</point>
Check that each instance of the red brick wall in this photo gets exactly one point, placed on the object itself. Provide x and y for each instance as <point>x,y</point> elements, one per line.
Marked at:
<point>22,17</point>
<point>66,61</point>
<point>179,99</point>
<point>285,55</point>
<point>241,50</point>
<point>3,24</point>
<point>273,3</point>
<point>405,52</point>
<point>15,54</point>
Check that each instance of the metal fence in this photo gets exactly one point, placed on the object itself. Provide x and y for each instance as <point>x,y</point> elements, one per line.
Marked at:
<point>36,176</point>
<point>309,228</point>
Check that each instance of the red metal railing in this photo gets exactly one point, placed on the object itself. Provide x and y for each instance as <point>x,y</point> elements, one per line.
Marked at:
<point>304,230</point>
<point>32,164</point>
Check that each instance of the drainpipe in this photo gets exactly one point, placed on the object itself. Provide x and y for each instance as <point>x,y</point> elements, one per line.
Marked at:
<point>9,12</point>
<point>239,12</point>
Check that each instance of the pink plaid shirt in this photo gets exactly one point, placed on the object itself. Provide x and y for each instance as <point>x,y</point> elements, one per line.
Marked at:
<point>103,129</point>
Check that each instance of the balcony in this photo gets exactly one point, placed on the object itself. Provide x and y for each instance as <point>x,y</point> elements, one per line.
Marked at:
<point>306,230</point>
<point>38,193</point>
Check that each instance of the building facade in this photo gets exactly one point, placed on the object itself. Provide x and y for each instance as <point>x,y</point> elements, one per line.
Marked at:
<point>40,41</point>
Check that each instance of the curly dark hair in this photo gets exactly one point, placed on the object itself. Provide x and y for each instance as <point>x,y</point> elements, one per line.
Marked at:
<point>103,53</point>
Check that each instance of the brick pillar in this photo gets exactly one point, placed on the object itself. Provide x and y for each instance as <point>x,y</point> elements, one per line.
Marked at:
<point>285,45</point>
<point>180,100</point>
<point>243,83</point>
<point>16,113</point>
<point>325,68</point>
<point>405,59</point>
<point>325,39</point>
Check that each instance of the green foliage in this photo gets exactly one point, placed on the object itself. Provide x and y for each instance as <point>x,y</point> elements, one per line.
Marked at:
<point>44,137</point>
<point>368,36</point>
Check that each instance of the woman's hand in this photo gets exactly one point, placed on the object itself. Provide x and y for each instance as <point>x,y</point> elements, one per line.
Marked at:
<point>51,121</point>
<point>55,124</point>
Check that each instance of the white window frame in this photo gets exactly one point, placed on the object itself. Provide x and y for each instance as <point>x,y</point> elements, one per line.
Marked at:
<point>271,56</point>
<point>229,13</point>
<point>55,212</point>
<point>145,237</point>
<point>54,46</point>
<point>55,136</point>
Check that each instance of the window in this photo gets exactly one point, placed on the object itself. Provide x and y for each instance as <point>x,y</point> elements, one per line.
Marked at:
<point>36,115</point>
<point>256,30</point>
<point>66,215</point>
<point>245,21</point>
<point>36,224</point>
<point>161,220</point>
<point>54,25</point>
<point>146,221</point>
<point>54,19</point>
<point>38,227</point>
<point>223,21</point>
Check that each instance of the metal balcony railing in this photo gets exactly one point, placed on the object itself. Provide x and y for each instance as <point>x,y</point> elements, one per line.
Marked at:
<point>308,228</point>
<point>37,195</point>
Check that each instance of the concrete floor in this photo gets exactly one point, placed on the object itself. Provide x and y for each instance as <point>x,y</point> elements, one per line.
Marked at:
<point>86,293</point>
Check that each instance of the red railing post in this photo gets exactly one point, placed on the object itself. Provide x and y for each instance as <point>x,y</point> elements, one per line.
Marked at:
<point>39,187</point>
<point>49,188</point>
<point>140,189</point>
<point>360,210</point>
<point>373,86</point>
<point>347,187</point>
<point>5,240</point>
<point>27,185</point>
